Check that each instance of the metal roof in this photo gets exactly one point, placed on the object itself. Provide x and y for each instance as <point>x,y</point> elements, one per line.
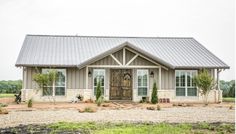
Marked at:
<point>58,50</point>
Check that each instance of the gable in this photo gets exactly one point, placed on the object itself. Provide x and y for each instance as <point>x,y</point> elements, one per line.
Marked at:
<point>129,57</point>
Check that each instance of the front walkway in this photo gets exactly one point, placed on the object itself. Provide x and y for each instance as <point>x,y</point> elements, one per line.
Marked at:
<point>137,113</point>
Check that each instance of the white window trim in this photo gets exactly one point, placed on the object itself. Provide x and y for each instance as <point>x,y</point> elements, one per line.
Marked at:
<point>104,89</point>
<point>186,82</point>
<point>147,81</point>
<point>57,86</point>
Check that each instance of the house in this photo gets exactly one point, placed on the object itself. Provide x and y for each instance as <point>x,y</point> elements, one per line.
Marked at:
<point>127,67</point>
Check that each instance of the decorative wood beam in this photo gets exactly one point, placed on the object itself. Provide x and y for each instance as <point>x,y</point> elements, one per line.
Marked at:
<point>122,66</point>
<point>114,58</point>
<point>132,59</point>
<point>154,62</point>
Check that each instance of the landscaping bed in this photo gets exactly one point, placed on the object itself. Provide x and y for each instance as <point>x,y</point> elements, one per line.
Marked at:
<point>122,128</point>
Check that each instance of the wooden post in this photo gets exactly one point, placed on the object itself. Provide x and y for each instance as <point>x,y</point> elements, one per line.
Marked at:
<point>86,79</point>
<point>218,80</point>
<point>123,56</point>
<point>218,85</point>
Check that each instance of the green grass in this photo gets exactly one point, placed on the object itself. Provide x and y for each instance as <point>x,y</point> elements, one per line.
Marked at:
<point>141,128</point>
<point>6,95</point>
<point>229,99</point>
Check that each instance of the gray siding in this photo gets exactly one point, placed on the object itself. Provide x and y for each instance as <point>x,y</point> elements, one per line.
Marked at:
<point>167,79</point>
<point>75,78</point>
<point>105,61</point>
<point>28,77</point>
<point>141,61</point>
<point>129,56</point>
<point>119,55</point>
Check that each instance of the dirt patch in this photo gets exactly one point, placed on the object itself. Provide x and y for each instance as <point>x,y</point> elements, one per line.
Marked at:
<point>7,100</point>
<point>106,106</point>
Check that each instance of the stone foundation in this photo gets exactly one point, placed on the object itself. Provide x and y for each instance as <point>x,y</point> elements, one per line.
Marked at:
<point>36,94</point>
<point>213,97</point>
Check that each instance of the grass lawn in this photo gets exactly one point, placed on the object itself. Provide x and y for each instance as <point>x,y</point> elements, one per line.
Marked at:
<point>6,95</point>
<point>229,99</point>
<point>141,128</point>
<point>124,128</point>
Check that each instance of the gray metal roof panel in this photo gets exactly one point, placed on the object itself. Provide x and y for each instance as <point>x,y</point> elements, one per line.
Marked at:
<point>54,50</point>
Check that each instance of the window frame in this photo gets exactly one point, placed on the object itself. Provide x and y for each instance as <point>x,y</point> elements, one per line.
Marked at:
<point>185,82</point>
<point>54,94</point>
<point>143,70</point>
<point>104,80</point>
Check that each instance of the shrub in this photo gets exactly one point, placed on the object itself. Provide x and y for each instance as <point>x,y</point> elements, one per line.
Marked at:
<point>89,110</point>
<point>30,103</point>
<point>151,108</point>
<point>3,105</point>
<point>154,99</point>
<point>141,101</point>
<point>99,101</point>
<point>3,111</point>
<point>99,91</point>
<point>158,107</point>
<point>80,97</point>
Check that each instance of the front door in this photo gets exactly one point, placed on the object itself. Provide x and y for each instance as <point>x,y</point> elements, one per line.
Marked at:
<point>121,84</point>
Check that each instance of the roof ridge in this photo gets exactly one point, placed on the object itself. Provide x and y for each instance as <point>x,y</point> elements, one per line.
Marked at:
<point>84,36</point>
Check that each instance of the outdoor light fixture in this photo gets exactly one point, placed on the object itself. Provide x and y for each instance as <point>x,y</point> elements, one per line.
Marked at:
<point>151,74</point>
<point>89,74</point>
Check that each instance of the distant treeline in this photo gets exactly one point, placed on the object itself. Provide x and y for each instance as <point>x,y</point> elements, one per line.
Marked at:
<point>228,88</point>
<point>10,86</point>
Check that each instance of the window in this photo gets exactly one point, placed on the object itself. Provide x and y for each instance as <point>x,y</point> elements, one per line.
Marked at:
<point>98,76</point>
<point>185,85</point>
<point>59,84</point>
<point>142,82</point>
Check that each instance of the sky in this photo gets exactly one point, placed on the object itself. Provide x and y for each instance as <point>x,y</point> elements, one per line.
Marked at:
<point>211,22</point>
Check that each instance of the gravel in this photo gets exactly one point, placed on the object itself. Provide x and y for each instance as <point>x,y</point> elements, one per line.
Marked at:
<point>171,115</point>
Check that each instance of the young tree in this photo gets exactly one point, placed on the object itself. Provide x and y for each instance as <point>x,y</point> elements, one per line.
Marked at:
<point>205,84</point>
<point>48,79</point>
<point>154,98</point>
<point>52,77</point>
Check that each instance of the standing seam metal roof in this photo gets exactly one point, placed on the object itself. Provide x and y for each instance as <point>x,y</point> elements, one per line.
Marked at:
<point>57,50</point>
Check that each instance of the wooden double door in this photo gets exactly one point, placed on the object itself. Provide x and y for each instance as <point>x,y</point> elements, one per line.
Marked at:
<point>121,84</point>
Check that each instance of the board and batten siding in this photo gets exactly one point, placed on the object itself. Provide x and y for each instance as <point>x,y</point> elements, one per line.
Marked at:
<point>75,78</point>
<point>167,79</point>
<point>28,73</point>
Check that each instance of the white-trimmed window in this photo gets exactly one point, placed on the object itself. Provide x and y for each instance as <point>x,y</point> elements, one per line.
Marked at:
<point>60,84</point>
<point>142,82</point>
<point>185,85</point>
<point>98,76</point>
